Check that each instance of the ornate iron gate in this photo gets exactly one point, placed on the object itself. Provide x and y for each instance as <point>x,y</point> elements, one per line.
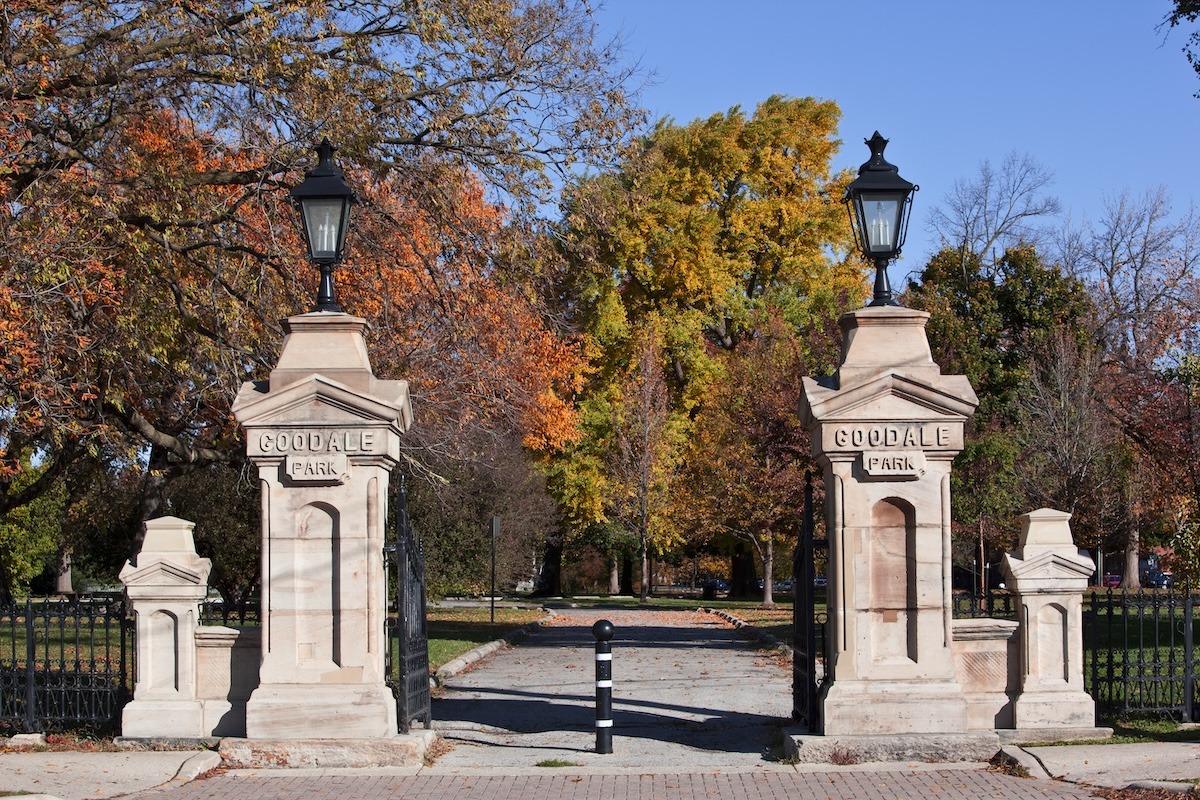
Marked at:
<point>64,663</point>
<point>408,642</point>
<point>808,627</point>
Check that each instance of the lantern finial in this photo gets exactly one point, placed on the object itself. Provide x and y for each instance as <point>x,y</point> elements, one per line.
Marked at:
<point>324,200</point>
<point>879,202</point>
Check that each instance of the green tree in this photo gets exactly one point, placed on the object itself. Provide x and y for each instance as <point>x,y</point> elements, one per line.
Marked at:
<point>991,323</point>
<point>29,536</point>
<point>749,451</point>
<point>701,228</point>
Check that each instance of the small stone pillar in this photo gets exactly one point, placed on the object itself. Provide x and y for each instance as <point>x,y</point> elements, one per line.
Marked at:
<point>885,429</point>
<point>165,590</point>
<point>1049,574</point>
<point>325,434</point>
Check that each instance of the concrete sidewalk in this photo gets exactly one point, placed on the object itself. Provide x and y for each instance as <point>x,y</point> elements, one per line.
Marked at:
<point>698,711</point>
<point>82,775</point>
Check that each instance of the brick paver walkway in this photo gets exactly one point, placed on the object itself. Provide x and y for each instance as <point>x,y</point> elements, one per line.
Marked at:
<point>976,784</point>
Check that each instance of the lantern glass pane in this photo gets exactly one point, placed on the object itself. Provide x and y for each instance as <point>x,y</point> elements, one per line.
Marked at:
<point>881,221</point>
<point>323,225</point>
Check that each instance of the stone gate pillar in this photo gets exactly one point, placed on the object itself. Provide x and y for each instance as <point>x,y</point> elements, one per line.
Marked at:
<point>1049,575</point>
<point>165,589</point>
<point>325,434</point>
<point>885,428</point>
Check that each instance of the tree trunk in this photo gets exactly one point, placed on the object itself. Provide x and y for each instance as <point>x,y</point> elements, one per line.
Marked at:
<point>1133,551</point>
<point>6,595</point>
<point>627,575</point>
<point>644,594</point>
<point>153,495</point>
<point>550,577</point>
<point>614,575</point>
<point>742,578</point>
<point>62,583</point>
<point>768,570</point>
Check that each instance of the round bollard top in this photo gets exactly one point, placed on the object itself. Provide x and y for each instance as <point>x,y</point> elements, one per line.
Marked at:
<point>603,630</point>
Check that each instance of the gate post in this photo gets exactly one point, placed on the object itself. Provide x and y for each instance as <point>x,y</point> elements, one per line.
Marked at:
<point>1189,660</point>
<point>324,433</point>
<point>1049,574</point>
<point>885,430</point>
<point>30,723</point>
<point>165,590</point>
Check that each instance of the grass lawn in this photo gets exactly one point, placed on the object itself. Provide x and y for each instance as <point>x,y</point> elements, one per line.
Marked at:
<point>454,631</point>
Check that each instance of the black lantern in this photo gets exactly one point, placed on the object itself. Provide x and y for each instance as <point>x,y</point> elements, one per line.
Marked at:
<point>324,200</point>
<point>880,202</point>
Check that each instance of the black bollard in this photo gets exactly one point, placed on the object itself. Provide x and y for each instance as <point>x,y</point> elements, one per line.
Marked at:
<point>603,631</point>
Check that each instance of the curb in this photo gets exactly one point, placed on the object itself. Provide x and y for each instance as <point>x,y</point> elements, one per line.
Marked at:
<point>749,631</point>
<point>457,665</point>
<point>1023,758</point>
<point>1170,786</point>
<point>197,765</point>
<point>1033,765</point>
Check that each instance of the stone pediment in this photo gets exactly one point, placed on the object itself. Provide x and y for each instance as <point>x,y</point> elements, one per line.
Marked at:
<point>319,401</point>
<point>165,573</point>
<point>1048,569</point>
<point>890,396</point>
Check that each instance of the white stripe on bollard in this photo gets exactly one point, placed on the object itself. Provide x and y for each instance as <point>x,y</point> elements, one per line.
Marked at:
<point>604,723</point>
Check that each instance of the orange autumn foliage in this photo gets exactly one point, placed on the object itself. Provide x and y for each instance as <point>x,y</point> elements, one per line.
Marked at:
<point>136,303</point>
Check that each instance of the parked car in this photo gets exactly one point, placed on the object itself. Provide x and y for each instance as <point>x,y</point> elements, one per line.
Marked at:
<point>1157,579</point>
<point>1111,581</point>
<point>820,581</point>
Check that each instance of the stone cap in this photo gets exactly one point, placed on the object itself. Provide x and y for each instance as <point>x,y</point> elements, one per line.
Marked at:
<point>1046,558</point>
<point>887,373</point>
<point>318,400</point>
<point>885,338</point>
<point>330,344</point>
<point>168,563</point>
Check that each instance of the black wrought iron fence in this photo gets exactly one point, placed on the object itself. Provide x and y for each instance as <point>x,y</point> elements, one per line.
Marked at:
<point>993,605</point>
<point>64,663</point>
<point>1139,652</point>
<point>223,612</point>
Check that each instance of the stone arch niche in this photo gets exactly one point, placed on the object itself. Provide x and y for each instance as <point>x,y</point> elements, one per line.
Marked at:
<point>316,574</point>
<point>163,674</point>
<point>891,570</point>
<point>1052,649</point>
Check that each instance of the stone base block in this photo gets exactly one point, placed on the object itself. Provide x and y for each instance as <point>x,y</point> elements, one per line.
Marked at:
<point>1054,710</point>
<point>307,711</point>
<point>924,747</point>
<point>401,750</point>
<point>893,708</point>
<point>1052,735</point>
<point>163,718</point>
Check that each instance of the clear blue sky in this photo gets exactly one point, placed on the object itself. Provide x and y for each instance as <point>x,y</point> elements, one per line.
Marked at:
<point>1088,88</point>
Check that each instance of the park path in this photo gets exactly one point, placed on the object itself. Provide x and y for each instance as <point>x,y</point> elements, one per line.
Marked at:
<point>688,690</point>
